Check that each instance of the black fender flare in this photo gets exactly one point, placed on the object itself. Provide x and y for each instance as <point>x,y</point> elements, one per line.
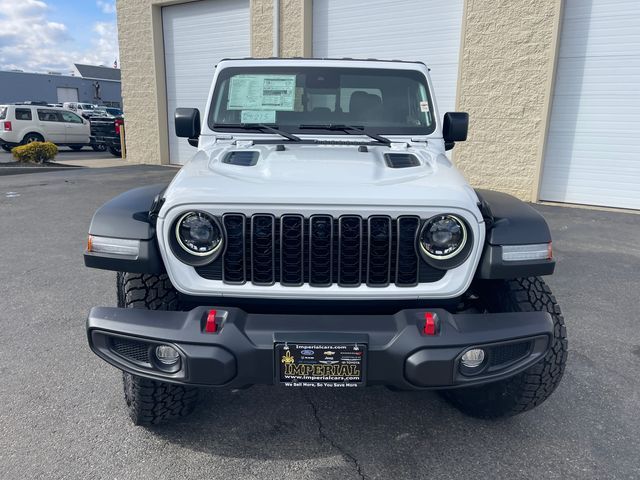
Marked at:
<point>510,221</point>
<point>130,215</point>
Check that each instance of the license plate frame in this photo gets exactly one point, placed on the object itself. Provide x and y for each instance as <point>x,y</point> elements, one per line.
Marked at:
<point>332,365</point>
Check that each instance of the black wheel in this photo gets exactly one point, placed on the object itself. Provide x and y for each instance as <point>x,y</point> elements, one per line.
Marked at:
<point>115,151</point>
<point>75,148</point>
<point>533,386</point>
<point>32,137</point>
<point>5,147</point>
<point>151,402</point>
<point>99,147</point>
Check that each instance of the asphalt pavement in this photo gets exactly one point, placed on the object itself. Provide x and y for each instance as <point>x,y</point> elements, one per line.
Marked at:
<point>62,414</point>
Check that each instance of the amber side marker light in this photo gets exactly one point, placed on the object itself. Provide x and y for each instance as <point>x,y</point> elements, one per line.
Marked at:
<point>113,246</point>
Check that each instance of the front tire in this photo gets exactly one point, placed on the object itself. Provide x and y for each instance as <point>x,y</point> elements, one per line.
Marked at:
<point>533,386</point>
<point>151,402</point>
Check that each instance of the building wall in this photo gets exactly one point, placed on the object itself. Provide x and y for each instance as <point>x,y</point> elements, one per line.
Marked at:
<point>140,36</point>
<point>295,28</point>
<point>22,86</point>
<point>142,64</point>
<point>505,82</point>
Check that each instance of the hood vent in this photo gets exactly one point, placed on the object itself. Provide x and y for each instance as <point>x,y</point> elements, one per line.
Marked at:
<point>401,160</point>
<point>242,158</point>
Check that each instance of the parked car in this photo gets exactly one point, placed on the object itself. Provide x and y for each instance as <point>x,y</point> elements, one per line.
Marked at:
<point>320,237</point>
<point>116,112</point>
<point>105,134</point>
<point>83,109</point>
<point>22,124</point>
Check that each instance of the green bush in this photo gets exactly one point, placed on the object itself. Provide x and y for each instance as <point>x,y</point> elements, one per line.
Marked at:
<point>35,152</point>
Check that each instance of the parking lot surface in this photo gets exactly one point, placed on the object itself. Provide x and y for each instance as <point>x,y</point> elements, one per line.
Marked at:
<point>62,413</point>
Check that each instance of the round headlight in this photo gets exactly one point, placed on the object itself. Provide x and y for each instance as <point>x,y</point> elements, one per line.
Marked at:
<point>443,237</point>
<point>198,234</point>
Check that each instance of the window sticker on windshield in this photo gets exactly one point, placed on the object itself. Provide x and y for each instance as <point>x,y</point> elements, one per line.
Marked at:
<point>262,92</point>
<point>424,106</point>
<point>258,116</point>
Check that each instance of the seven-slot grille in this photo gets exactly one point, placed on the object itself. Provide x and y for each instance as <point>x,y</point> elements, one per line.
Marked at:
<point>320,251</point>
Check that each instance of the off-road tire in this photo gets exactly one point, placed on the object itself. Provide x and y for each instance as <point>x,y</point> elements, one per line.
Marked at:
<point>151,402</point>
<point>533,386</point>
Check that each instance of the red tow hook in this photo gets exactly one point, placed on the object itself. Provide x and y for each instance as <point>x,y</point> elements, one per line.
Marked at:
<point>430,323</point>
<point>210,325</point>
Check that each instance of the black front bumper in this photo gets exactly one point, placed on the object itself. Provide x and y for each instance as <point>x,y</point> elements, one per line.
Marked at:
<point>241,352</point>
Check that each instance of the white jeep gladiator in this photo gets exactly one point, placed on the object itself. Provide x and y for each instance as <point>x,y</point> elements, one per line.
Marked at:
<point>320,237</point>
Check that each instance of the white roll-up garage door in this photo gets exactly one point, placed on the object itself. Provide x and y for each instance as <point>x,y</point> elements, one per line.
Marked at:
<point>198,35</point>
<point>423,30</point>
<point>67,94</point>
<point>593,144</point>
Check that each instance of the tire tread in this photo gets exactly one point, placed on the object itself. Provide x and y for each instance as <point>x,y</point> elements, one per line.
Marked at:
<point>151,402</point>
<point>533,386</point>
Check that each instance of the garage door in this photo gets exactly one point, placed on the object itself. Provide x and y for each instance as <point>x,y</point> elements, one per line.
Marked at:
<point>424,30</point>
<point>67,94</point>
<point>593,145</point>
<point>198,35</point>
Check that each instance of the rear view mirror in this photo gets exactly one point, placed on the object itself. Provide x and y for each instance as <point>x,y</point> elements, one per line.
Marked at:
<point>187,121</point>
<point>454,128</point>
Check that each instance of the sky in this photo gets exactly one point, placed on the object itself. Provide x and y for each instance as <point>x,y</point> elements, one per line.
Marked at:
<point>52,35</point>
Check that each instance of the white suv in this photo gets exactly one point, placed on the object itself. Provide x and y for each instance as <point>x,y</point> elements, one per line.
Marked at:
<point>20,124</point>
<point>320,237</point>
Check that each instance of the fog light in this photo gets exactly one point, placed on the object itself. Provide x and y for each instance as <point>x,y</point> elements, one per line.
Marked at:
<point>473,358</point>
<point>167,355</point>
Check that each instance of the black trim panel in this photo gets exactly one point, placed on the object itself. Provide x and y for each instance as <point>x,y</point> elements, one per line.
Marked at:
<point>512,221</point>
<point>127,215</point>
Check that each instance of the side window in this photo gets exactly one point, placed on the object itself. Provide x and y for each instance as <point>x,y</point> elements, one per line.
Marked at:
<point>48,116</point>
<point>69,117</point>
<point>23,114</point>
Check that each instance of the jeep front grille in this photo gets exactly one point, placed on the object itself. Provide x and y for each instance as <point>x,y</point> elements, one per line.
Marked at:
<point>320,251</point>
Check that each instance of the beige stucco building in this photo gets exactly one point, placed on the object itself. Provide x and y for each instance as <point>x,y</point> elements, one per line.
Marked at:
<point>510,64</point>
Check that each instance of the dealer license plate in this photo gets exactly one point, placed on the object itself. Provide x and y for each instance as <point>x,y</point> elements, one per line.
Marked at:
<point>321,365</point>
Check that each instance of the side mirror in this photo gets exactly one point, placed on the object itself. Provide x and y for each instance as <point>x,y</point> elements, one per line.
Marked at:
<point>187,121</point>
<point>454,128</point>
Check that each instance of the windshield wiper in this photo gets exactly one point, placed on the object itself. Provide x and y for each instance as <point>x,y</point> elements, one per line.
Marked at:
<point>347,129</point>
<point>259,126</point>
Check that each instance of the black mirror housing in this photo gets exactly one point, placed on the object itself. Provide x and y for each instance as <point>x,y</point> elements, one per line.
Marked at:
<point>454,128</point>
<point>187,121</point>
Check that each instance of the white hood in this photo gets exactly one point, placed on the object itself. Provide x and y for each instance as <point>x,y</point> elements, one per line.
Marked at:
<point>321,175</point>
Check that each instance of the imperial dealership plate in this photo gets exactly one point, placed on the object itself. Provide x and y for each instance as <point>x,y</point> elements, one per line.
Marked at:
<point>320,365</point>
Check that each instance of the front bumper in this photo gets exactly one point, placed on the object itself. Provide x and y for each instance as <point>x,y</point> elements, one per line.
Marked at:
<point>241,352</point>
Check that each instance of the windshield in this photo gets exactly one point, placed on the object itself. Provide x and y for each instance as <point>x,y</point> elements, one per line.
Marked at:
<point>322,100</point>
